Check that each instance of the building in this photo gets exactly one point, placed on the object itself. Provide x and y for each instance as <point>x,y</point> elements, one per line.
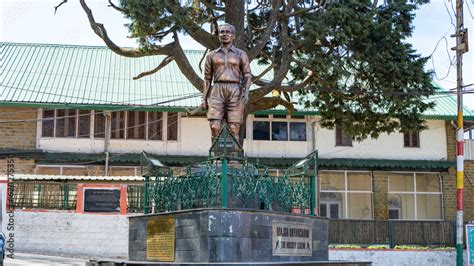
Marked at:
<point>76,111</point>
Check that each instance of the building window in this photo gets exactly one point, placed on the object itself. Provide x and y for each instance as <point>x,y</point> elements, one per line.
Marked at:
<point>99,124</point>
<point>155,126</point>
<point>84,126</point>
<point>342,138</point>
<point>123,124</point>
<point>346,195</point>
<point>136,125</point>
<point>172,126</point>
<point>278,128</point>
<point>411,139</point>
<point>47,129</point>
<point>415,196</point>
<point>117,129</point>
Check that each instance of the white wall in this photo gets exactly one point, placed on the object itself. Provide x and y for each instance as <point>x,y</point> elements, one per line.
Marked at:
<point>67,233</point>
<point>432,145</point>
<point>397,257</point>
<point>194,138</point>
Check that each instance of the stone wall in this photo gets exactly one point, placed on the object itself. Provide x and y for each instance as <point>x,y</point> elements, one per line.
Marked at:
<point>90,236</point>
<point>18,135</point>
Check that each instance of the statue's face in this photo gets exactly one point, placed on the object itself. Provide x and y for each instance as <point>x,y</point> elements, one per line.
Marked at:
<point>226,35</point>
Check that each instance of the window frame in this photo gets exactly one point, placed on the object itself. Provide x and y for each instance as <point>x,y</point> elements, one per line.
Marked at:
<point>415,193</point>
<point>340,143</point>
<point>92,125</point>
<point>346,192</point>
<point>288,119</point>
<point>412,134</point>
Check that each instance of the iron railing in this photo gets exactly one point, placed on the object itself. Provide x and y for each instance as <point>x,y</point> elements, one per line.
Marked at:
<point>44,195</point>
<point>392,232</point>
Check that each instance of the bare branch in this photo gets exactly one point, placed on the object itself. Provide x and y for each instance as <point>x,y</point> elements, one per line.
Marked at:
<point>208,4</point>
<point>266,35</point>
<point>60,4</point>
<point>265,71</point>
<point>202,59</point>
<point>115,7</point>
<point>184,65</point>
<point>163,63</point>
<point>100,31</point>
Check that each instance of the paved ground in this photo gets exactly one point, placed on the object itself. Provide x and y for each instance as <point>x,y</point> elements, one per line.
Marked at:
<point>35,259</point>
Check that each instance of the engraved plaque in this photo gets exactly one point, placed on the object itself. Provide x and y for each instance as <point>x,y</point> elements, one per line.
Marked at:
<point>160,239</point>
<point>291,239</point>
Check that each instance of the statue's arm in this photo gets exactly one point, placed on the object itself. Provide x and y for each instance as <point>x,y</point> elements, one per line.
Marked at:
<point>207,81</point>
<point>247,77</point>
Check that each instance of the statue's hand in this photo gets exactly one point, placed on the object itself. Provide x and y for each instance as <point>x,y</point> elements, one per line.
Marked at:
<point>203,105</point>
<point>245,98</point>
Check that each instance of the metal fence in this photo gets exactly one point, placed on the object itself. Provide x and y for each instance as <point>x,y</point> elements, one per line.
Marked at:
<point>44,195</point>
<point>135,198</point>
<point>393,233</point>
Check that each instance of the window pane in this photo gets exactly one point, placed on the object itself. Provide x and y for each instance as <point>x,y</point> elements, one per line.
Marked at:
<point>407,206</point>
<point>427,182</point>
<point>172,126</point>
<point>155,126</point>
<point>279,131</point>
<point>297,116</point>
<point>84,124</point>
<point>342,138</point>
<point>334,211</point>
<point>360,205</point>
<point>261,130</point>
<point>334,202</point>
<point>279,116</point>
<point>359,181</point>
<point>332,180</point>
<point>322,210</point>
<point>99,124</point>
<point>428,206</point>
<point>394,214</point>
<point>401,182</point>
<point>136,125</point>
<point>406,139</point>
<point>261,116</point>
<point>118,125</point>
<point>65,123</point>
<point>297,131</point>
<point>47,129</point>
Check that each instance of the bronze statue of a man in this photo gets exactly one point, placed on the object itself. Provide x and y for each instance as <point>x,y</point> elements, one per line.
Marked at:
<point>228,70</point>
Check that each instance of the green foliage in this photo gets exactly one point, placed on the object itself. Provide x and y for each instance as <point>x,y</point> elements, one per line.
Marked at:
<point>365,76</point>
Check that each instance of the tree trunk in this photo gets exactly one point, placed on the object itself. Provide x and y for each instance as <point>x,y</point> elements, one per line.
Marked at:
<point>235,15</point>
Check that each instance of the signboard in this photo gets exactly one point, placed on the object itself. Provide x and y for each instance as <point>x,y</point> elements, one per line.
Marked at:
<point>470,243</point>
<point>291,239</point>
<point>160,239</point>
<point>101,200</point>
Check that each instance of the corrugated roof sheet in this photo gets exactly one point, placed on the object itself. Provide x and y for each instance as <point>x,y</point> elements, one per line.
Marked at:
<point>74,177</point>
<point>49,75</point>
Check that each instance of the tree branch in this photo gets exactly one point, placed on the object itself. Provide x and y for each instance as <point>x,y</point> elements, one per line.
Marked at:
<point>100,31</point>
<point>163,63</point>
<point>115,7</point>
<point>268,32</point>
<point>60,4</point>
<point>265,71</point>
<point>184,65</point>
<point>266,103</point>
<point>211,6</point>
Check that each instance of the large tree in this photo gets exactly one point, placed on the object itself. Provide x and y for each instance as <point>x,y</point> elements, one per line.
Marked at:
<point>348,58</point>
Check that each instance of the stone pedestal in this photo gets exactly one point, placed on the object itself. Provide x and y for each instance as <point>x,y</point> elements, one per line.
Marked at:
<point>227,235</point>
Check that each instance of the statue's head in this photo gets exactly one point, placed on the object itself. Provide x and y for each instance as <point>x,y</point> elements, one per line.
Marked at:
<point>226,33</point>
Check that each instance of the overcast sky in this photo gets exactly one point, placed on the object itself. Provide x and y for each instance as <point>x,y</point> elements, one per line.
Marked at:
<point>34,21</point>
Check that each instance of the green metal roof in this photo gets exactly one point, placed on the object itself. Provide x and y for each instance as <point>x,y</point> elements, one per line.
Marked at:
<point>93,77</point>
<point>324,164</point>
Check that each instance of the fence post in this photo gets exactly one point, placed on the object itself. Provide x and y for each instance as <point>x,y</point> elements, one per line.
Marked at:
<point>313,193</point>
<point>224,183</point>
<point>390,234</point>
<point>147,185</point>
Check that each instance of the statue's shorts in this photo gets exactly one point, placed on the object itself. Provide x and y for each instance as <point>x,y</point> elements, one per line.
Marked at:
<point>225,103</point>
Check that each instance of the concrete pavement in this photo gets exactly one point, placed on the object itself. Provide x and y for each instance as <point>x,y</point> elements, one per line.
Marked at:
<point>35,259</point>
